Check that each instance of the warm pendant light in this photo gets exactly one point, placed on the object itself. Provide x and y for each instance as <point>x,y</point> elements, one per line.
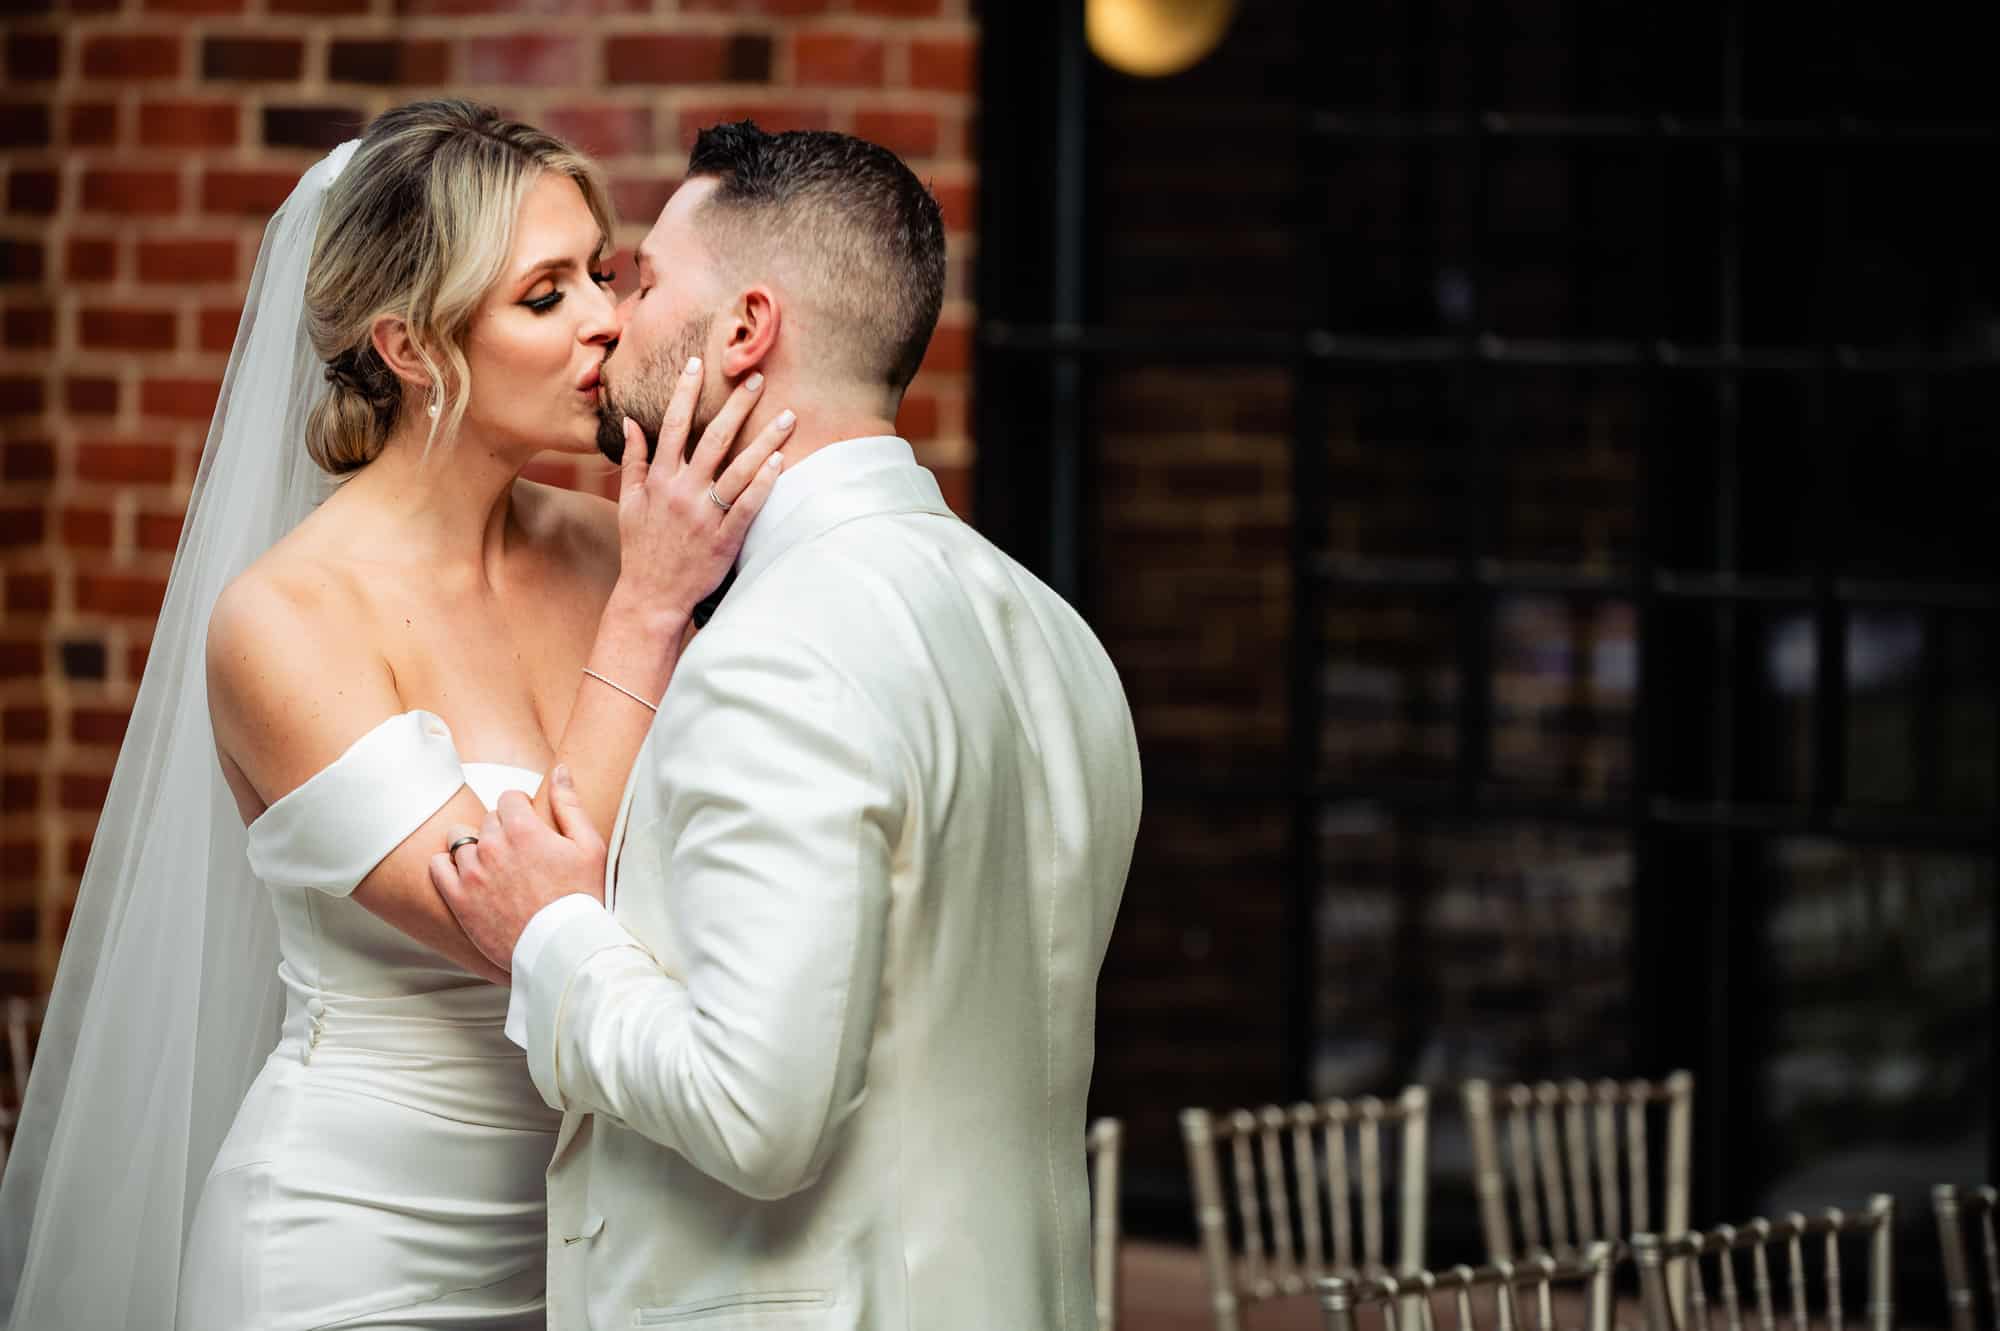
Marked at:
<point>1151,38</point>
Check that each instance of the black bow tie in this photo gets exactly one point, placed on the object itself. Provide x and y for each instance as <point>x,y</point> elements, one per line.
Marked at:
<point>705,609</point>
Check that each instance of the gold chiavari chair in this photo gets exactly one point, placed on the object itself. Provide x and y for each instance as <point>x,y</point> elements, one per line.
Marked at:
<point>1956,1209</point>
<point>1407,1303</point>
<point>1104,1140</point>
<point>1299,1189</point>
<point>1564,1147</point>
<point>23,1019</point>
<point>1722,1249</point>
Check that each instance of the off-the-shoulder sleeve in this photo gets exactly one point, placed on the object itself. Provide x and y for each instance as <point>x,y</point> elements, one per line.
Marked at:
<point>332,831</point>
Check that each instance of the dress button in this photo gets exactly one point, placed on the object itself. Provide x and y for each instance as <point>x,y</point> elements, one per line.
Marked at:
<point>315,1009</point>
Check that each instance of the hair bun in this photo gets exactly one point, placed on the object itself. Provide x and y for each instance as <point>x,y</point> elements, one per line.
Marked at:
<point>418,225</point>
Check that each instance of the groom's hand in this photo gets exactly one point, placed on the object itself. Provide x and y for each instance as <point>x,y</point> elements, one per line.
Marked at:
<point>518,865</point>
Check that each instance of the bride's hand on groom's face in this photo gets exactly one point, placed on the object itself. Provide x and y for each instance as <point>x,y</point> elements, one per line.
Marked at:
<point>682,516</point>
<point>519,864</point>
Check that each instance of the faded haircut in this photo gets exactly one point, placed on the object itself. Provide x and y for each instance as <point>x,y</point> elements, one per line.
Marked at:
<point>846,214</point>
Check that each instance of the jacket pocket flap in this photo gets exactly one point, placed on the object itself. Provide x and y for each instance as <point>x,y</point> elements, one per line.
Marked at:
<point>759,1300</point>
<point>593,1225</point>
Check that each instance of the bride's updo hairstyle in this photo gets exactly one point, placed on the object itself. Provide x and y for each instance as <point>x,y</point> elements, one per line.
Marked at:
<point>418,226</point>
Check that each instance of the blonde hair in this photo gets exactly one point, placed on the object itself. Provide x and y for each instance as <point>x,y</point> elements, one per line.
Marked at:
<point>418,226</point>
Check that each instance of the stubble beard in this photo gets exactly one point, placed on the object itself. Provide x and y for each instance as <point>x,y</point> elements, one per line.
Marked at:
<point>644,393</point>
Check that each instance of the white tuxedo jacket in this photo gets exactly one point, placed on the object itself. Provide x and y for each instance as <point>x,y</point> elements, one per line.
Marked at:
<point>824,1064</point>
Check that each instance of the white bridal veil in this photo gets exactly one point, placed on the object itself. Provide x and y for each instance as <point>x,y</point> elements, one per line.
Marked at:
<point>167,999</point>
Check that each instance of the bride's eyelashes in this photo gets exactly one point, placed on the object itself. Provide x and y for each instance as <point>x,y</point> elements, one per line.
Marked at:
<point>543,304</point>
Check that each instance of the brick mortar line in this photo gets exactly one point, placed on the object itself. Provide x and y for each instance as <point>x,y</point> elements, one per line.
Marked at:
<point>194,30</point>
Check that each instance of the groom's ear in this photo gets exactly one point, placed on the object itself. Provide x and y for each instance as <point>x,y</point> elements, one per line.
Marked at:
<point>398,351</point>
<point>752,334</point>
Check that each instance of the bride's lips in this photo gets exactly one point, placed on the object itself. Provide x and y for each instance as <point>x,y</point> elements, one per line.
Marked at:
<point>591,378</point>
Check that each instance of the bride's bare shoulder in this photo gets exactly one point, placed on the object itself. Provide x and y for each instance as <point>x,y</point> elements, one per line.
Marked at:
<point>292,604</point>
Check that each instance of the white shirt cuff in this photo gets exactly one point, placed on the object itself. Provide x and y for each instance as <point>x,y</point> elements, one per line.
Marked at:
<point>529,946</point>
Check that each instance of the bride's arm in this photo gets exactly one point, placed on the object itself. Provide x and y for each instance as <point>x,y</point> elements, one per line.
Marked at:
<point>675,547</point>
<point>289,692</point>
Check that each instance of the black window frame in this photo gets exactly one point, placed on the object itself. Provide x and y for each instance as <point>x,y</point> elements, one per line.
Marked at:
<point>1036,350</point>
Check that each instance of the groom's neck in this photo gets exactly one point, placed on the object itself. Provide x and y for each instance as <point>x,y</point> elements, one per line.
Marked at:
<point>822,420</point>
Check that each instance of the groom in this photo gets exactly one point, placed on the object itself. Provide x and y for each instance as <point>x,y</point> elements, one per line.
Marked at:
<point>824,1053</point>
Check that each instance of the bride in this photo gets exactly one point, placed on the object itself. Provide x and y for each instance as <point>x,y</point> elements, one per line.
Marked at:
<point>372,666</point>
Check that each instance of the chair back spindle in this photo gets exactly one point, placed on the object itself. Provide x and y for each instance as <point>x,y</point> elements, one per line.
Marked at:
<point>1271,1122</point>
<point>1955,1209</point>
<point>1309,1187</point>
<point>1104,1141</point>
<point>1341,1184</point>
<point>1561,1165</point>
<point>1798,1238</point>
<point>1249,1216</point>
<point>1549,1158</point>
<point>1369,1135</point>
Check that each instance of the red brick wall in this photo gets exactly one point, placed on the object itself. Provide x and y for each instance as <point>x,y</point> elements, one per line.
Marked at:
<point>142,145</point>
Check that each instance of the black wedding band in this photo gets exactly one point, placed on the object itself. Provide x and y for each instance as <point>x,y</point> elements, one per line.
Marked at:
<point>452,850</point>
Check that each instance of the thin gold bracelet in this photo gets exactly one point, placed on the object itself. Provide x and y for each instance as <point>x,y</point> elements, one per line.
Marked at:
<point>613,684</point>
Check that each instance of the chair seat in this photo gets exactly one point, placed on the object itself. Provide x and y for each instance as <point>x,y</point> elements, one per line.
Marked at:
<point>1163,1289</point>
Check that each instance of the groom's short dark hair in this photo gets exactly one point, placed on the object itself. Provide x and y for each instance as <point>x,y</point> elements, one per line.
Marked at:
<point>850,214</point>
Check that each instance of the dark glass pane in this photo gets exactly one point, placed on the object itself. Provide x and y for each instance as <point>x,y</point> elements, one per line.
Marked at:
<point>1736,723</point>
<point>1451,951</point>
<point>1195,185</point>
<point>1191,556</point>
<point>1564,672</point>
<point>1879,993</point>
<point>1574,241</point>
<point>1788,454</point>
<point>1434,57</point>
<point>1916,498</point>
<point>1390,689</point>
<point>1396,475</point>
<point>1567,446</point>
<point>1189,1008</point>
<point>1923,691</point>
<point>1852,62</point>
<point>1454,951</point>
<point>1916,270</point>
<point>1396,232</point>
<point>1691,226</point>
<point>1787,283</point>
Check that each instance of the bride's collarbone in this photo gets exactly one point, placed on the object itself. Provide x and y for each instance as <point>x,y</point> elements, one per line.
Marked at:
<point>506,628</point>
<point>501,668</point>
<point>494,652</point>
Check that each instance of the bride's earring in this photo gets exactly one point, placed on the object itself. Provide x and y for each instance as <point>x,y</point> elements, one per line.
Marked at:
<point>436,405</point>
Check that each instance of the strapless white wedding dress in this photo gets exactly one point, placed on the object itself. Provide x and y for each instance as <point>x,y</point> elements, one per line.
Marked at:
<point>386,1167</point>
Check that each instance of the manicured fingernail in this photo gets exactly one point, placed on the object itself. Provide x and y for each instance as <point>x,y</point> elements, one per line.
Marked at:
<point>630,424</point>
<point>693,365</point>
<point>786,419</point>
<point>775,461</point>
<point>754,382</point>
